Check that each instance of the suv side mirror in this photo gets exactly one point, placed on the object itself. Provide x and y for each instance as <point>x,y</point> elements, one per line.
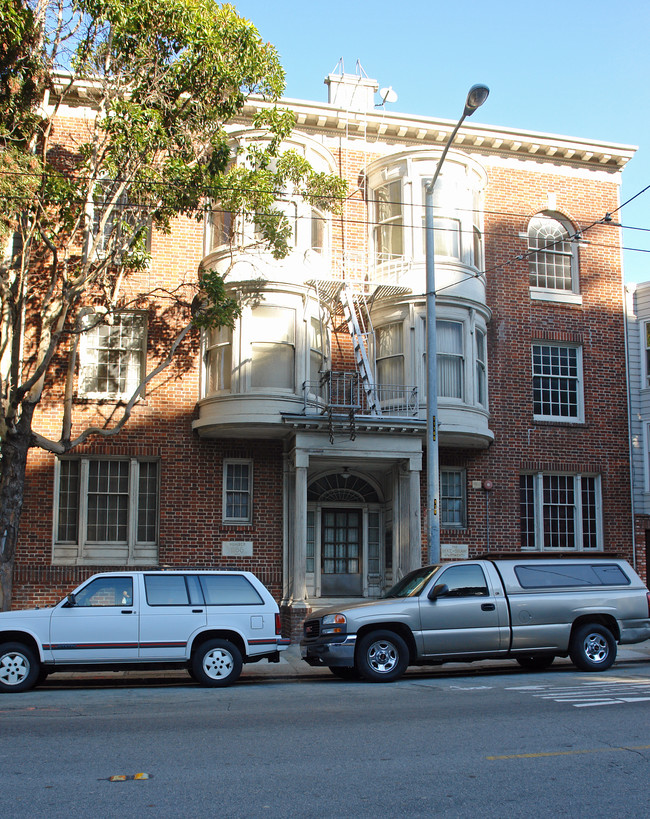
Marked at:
<point>439,590</point>
<point>70,601</point>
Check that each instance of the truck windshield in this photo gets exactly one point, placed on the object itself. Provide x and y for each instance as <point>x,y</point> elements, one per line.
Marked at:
<point>412,584</point>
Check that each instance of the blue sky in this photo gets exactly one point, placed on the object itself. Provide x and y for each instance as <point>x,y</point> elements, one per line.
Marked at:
<point>571,68</point>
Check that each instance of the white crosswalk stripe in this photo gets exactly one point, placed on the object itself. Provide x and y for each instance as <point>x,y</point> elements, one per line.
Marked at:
<point>592,693</point>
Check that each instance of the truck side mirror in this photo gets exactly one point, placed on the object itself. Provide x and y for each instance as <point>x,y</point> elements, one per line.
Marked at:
<point>70,601</point>
<point>439,590</point>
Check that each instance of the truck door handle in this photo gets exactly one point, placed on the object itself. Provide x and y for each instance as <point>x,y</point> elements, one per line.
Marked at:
<point>487,606</point>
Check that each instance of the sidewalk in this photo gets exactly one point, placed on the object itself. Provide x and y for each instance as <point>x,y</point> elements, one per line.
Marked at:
<point>293,667</point>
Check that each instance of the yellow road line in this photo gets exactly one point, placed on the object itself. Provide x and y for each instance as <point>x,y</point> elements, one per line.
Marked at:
<point>571,753</point>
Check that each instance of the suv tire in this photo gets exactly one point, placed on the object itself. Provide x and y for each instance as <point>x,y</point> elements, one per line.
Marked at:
<point>382,656</point>
<point>216,663</point>
<point>592,647</point>
<point>19,668</point>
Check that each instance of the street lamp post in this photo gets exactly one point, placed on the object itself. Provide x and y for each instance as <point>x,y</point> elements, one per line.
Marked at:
<point>475,98</point>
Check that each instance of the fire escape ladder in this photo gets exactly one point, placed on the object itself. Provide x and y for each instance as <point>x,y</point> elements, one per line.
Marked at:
<point>355,312</point>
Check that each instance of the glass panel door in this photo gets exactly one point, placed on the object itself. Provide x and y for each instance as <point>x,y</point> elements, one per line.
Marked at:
<point>341,550</point>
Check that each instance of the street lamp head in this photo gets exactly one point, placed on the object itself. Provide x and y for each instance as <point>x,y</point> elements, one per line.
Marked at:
<point>476,96</point>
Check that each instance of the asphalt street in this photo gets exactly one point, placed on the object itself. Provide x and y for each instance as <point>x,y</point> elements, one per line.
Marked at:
<point>459,740</point>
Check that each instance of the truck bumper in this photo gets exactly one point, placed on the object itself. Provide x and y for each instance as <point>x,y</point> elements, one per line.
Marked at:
<point>634,631</point>
<point>330,653</point>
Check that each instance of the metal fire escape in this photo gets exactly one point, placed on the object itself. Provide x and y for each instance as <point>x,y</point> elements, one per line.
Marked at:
<point>357,316</point>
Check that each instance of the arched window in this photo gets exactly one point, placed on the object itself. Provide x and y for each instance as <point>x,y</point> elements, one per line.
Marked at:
<point>552,260</point>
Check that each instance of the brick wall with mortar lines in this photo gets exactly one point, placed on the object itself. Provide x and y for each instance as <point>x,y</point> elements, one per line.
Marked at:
<point>191,468</point>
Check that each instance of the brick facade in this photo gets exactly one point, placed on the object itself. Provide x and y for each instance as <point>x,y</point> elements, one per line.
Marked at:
<point>191,530</point>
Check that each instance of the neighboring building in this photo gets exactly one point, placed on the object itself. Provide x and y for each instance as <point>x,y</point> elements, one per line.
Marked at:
<point>293,446</point>
<point>638,341</point>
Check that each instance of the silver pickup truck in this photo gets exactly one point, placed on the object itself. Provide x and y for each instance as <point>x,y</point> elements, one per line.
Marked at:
<point>528,610</point>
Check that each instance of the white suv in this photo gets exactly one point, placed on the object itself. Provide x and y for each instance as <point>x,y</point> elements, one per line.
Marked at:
<point>209,622</point>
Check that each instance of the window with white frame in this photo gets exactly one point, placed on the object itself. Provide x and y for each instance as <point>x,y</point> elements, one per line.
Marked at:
<point>112,355</point>
<point>452,498</point>
<point>272,340</point>
<point>481,368</point>
<point>390,354</point>
<point>116,219</point>
<point>317,353</point>
<point>237,491</point>
<point>451,359</point>
<point>552,260</point>
<point>106,511</point>
<point>389,227</point>
<point>557,382</point>
<point>319,225</point>
<point>647,352</point>
<point>560,511</point>
<point>218,359</point>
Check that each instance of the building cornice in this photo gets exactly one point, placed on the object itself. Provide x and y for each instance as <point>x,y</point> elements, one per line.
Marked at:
<point>431,132</point>
<point>410,130</point>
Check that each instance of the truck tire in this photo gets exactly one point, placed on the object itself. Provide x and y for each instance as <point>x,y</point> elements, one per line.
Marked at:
<point>19,668</point>
<point>535,662</point>
<point>381,656</point>
<point>216,663</point>
<point>592,647</point>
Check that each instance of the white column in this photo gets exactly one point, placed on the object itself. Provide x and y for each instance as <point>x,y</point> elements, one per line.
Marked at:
<point>299,569</point>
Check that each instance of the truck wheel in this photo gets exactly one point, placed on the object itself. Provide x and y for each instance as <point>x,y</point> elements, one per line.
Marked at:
<point>19,668</point>
<point>592,648</point>
<point>536,662</point>
<point>382,656</point>
<point>216,663</point>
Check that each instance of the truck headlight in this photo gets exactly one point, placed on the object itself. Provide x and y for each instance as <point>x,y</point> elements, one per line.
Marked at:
<point>333,624</point>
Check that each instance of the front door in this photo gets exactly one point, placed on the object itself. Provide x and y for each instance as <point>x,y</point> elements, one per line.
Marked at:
<point>341,552</point>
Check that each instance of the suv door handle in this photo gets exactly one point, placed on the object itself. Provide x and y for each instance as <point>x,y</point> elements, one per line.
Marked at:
<point>487,606</point>
<point>198,611</point>
<point>126,611</point>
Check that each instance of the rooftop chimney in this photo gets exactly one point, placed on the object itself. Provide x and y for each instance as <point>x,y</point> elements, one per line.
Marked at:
<point>351,92</point>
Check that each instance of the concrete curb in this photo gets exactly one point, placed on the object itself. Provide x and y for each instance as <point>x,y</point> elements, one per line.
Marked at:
<point>293,667</point>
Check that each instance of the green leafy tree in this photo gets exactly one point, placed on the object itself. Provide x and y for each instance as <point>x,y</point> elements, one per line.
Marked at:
<point>163,78</point>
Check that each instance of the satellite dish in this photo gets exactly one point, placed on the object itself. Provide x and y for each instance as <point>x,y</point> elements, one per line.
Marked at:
<point>387,95</point>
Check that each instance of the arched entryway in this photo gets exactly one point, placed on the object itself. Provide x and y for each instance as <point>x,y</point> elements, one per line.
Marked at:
<point>345,526</point>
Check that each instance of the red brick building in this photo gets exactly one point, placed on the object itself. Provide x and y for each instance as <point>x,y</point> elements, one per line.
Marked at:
<point>294,445</point>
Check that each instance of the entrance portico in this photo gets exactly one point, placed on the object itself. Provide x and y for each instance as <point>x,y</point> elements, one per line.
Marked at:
<point>353,523</point>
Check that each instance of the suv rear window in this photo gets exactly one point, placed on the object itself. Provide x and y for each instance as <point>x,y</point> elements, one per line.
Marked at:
<point>229,590</point>
<point>559,575</point>
<point>166,590</point>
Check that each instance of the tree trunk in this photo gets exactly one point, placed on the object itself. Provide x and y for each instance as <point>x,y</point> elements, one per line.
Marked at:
<point>12,492</point>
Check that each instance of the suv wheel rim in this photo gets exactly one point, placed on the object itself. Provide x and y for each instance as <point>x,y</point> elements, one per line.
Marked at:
<point>14,668</point>
<point>218,663</point>
<point>382,656</point>
<point>596,647</point>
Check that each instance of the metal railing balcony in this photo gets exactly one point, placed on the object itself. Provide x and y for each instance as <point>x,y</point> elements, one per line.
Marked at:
<point>340,392</point>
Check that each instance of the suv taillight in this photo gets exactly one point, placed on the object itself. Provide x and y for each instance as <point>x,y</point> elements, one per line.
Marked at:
<point>278,624</point>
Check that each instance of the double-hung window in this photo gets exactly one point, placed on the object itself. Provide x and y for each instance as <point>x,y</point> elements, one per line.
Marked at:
<point>452,498</point>
<point>481,368</point>
<point>218,359</point>
<point>557,382</point>
<point>273,341</point>
<point>390,355</point>
<point>112,355</point>
<point>389,227</point>
<point>237,491</point>
<point>560,512</point>
<point>552,263</point>
<point>106,511</point>
<point>451,359</point>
